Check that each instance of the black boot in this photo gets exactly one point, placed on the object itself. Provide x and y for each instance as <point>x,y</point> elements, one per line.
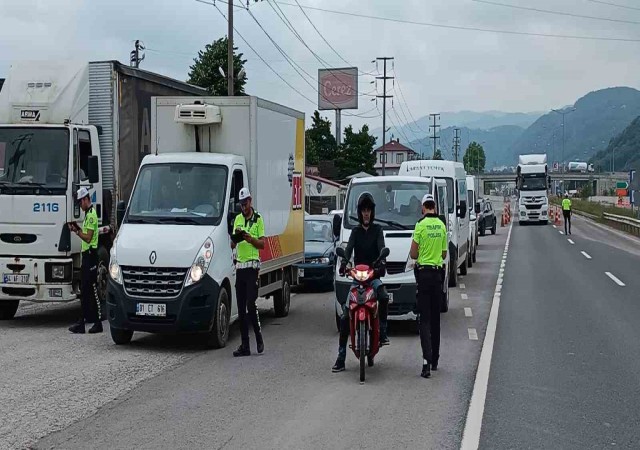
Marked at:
<point>260,342</point>
<point>434,365</point>
<point>78,327</point>
<point>96,328</point>
<point>383,309</point>
<point>242,351</point>
<point>426,371</point>
<point>338,366</point>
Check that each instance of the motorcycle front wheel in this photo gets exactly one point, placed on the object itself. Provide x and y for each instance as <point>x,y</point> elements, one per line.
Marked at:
<point>362,336</point>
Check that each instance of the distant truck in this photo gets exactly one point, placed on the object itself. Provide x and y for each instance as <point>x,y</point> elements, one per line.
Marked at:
<point>64,125</point>
<point>581,167</point>
<point>172,267</point>
<point>533,182</point>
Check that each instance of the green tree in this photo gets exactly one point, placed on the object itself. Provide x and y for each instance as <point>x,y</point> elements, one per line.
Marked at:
<point>438,155</point>
<point>205,71</point>
<point>320,144</point>
<point>585,192</point>
<point>356,152</point>
<point>474,158</point>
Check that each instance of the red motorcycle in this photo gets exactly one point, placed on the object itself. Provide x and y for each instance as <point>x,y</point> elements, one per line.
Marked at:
<point>364,322</point>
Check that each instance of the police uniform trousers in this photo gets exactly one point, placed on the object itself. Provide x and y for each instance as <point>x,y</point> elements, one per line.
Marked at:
<point>247,294</point>
<point>89,290</point>
<point>429,297</point>
<point>567,220</point>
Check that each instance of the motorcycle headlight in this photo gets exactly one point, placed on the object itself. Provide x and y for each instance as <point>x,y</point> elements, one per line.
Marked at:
<point>114,268</point>
<point>361,275</point>
<point>200,264</point>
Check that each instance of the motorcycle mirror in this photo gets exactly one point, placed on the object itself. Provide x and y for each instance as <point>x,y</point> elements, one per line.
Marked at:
<point>341,253</point>
<point>384,253</point>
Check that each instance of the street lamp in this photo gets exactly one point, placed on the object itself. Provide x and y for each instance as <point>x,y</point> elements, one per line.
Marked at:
<point>563,112</point>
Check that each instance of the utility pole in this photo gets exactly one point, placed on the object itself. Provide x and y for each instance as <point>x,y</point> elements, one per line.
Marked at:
<point>230,90</point>
<point>134,56</point>
<point>434,136</point>
<point>456,143</point>
<point>563,114</point>
<point>384,97</point>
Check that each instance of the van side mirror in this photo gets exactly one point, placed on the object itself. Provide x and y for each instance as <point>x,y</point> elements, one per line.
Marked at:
<point>93,169</point>
<point>341,253</point>
<point>444,220</point>
<point>384,253</point>
<point>462,209</point>
<point>337,224</point>
<point>121,208</point>
<point>477,208</point>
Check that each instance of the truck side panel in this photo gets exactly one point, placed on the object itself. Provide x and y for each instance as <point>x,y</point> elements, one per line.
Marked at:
<point>278,181</point>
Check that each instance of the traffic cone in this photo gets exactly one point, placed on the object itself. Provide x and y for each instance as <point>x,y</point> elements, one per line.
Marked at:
<point>557,216</point>
<point>502,220</point>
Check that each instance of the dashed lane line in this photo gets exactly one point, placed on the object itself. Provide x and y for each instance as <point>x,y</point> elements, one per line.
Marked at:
<point>468,313</point>
<point>586,255</point>
<point>615,279</point>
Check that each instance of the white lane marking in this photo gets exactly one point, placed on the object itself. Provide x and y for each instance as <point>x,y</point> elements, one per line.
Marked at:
<point>473,424</point>
<point>586,255</point>
<point>615,279</point>
<point>555,227</point>
<point>561,232</point>
<point>464,296</point>
<point>462,286</point>
<point>473,334</point>
<point>571,242</point>
<point>467,312</point>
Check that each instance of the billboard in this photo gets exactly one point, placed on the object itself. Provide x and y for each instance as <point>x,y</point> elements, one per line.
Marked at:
<point>338,88</point>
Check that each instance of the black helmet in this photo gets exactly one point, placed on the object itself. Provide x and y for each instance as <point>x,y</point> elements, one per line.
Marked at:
<point>366,201</point>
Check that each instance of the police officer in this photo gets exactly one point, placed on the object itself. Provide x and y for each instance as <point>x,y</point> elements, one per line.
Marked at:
<point>429,248</point>
<point>566,212</point>
<point>249,226</point>
<point>88,234</point>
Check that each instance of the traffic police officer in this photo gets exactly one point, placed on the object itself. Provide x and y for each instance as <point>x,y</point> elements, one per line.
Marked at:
<point>566,212</point>
<point>429,249</point>
<point>249,232</point>
<point>88,234</point>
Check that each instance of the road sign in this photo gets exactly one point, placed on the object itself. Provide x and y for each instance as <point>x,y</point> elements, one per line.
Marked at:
<point>622,185</point>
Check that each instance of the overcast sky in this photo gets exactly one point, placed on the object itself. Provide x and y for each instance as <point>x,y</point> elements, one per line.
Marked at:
<point>438,69</point>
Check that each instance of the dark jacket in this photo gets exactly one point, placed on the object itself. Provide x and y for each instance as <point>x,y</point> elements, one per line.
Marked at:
<point>366,245</point>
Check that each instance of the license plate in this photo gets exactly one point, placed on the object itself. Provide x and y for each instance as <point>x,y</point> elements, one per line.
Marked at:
<point>390,298</point>
<point>152,309</point>
<point>12,278</point>
<point>55,293</point>
<point>301,273</point>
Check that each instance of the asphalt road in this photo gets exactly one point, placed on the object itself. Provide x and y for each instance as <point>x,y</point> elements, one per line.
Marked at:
<point>565,371</point>
<point>285,398</point>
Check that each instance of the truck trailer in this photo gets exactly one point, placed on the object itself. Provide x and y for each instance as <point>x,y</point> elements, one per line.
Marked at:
<point>64,125</point>
<point>172,266</point>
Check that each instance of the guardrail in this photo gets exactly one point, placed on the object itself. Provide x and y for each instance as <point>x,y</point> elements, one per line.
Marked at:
<point>623,223</point>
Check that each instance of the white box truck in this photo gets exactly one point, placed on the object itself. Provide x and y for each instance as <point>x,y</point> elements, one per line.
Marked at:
<point>532,183</point>
<point>172,267</point>
<point>455,177</point>
<point>398,208</point>
<point>63,125</point>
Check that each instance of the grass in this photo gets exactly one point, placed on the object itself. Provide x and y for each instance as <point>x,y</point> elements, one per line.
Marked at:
<point>595,209</point>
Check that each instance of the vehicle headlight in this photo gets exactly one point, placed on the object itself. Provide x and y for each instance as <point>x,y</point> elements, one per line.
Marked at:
<point>57,272</point>
<point>200,264</point>
<point>361,275</point>
<point>323,260</point>
<point>114,269</point>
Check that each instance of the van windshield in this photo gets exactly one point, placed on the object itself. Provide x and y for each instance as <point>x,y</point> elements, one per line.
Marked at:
<point>191,194</point>
<point>398,203</point>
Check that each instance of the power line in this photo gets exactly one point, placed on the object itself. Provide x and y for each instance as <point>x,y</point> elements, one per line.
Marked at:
<point>558,13</point>
<point>617,5</point>
<point>456,27</point>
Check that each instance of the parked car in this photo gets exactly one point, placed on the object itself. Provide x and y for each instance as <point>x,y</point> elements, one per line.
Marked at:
<point>487,219</point>
<point>319,263</point>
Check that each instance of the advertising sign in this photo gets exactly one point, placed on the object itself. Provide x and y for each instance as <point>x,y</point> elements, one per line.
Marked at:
<point>338,88</point>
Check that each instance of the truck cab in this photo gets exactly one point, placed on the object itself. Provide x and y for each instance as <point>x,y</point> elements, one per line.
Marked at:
<point>398,209</point>
<point>532,183</point>
<point>47,152</point>
<point>455,177</point>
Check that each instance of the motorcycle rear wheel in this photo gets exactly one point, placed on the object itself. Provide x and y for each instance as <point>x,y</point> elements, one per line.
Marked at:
<point>362,336</point>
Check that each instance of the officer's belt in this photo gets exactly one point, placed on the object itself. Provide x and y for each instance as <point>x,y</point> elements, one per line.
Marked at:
<point>425,267</point>
<point>248,265</point>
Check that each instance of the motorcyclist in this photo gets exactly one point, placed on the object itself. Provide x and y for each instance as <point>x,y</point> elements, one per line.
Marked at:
<point>366,242</point>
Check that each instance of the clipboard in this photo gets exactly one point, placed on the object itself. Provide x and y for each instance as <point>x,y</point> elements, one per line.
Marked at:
<point>237,237</point>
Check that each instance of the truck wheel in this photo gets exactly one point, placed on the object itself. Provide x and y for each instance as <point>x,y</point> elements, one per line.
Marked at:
<point>463,267</point>
<point>482,229</point>
<point>444,304</point>
<point>475,251</point>
<point>103,276</point>
<point>219,333</point>
<point>493,230</point>
<point>120,336</point>
<point>8,309</point>
<point>282,298</point>
<point>453,269</point>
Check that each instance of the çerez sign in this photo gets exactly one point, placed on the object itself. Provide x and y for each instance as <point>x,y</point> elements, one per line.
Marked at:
<point>338,88</point>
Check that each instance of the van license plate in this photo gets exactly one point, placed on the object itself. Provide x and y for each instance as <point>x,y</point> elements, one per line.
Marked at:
<point>151,309</point>
<point>12,278</point>
<point>390,298</point>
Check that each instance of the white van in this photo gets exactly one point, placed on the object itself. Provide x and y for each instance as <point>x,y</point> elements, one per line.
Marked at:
<point>474,210</point>
<point>398,208</point>
<point>454,175</point>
